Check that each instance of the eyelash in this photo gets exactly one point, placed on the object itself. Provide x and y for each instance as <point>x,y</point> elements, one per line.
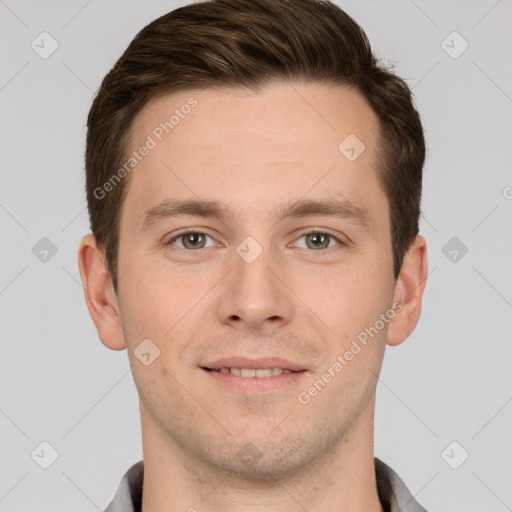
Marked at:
<point>320,252</point>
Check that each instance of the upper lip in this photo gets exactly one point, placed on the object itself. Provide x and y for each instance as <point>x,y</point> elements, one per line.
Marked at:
<point>244,362</point>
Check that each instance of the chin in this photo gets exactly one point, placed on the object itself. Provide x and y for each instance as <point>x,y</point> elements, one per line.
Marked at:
<point>261,459</point>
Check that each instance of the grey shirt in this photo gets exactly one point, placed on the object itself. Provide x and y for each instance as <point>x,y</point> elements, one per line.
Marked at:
<point>393,494</point>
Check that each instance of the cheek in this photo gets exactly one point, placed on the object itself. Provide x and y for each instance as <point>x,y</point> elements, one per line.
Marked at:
<point>156,297</point>
<point>346,297</point>
<point>171,308</point>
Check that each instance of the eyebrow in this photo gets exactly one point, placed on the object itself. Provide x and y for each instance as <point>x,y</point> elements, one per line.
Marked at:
<point>336,208</point>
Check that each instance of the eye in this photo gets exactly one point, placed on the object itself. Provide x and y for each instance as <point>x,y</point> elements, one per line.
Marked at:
<point>319,240</point>
<point>190,240</point>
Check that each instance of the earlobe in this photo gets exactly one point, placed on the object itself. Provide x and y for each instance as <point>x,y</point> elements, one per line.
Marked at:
<point>409,292</point>
<point>99,294</point>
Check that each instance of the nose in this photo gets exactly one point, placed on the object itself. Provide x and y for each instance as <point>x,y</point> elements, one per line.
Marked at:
<point>255,294</point>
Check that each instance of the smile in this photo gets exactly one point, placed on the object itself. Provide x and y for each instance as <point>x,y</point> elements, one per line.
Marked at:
<point>253,372</point>
<point>253,380</point>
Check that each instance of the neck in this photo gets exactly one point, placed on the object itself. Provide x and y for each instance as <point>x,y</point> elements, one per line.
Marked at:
<point>340,481</point>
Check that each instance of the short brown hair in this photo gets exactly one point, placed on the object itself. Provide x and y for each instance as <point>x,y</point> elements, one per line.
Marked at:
<point>249,43</point>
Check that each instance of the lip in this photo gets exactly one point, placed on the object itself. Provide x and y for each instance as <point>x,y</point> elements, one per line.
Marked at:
<point>253,385</point>
<point>262,362</point>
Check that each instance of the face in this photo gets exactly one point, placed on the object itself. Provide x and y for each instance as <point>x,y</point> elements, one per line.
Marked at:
<point>259,280</point>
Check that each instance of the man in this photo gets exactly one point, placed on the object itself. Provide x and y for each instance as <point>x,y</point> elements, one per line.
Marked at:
<point>254,184</point>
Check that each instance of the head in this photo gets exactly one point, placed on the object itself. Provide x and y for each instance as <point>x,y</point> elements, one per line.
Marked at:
<point>243,108</point>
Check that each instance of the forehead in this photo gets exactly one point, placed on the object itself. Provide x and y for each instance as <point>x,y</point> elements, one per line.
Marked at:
<point>285,115</point>
<point>282,141</point>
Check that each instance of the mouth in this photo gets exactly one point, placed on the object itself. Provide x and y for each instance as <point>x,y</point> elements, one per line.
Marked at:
<point>254,375</point>
<point>251,372</point>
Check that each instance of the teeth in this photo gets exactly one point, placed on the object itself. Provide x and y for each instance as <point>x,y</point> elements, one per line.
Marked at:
<point>252,372</point>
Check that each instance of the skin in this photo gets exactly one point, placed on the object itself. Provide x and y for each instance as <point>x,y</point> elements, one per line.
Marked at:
<point>253,152</point>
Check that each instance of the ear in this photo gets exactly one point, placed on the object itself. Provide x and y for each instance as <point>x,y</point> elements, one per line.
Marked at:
<point>99,294</point>
<point>408,293</point>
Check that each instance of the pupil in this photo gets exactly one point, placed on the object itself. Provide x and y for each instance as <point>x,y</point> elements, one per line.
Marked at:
<point>317,239</point>
<point>193,238</point>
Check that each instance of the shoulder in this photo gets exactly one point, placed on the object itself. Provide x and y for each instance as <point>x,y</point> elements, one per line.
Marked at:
<point>128,497</point>
<point>393,493</point>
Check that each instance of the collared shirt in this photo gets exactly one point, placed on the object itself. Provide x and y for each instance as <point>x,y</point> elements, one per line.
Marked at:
<point>393,494</point>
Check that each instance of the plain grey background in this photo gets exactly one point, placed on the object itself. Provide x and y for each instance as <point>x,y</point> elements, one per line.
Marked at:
<point>450,382</point>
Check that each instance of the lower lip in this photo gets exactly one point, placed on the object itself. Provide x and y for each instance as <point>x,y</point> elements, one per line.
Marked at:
<point>255,384</point>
